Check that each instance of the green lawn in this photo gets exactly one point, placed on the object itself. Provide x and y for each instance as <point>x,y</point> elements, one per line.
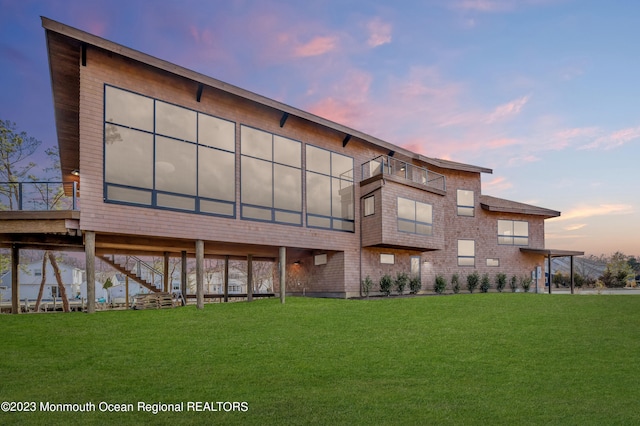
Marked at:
<point>464,359</point>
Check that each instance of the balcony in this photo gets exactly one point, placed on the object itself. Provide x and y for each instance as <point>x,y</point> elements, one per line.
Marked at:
<point>390,166</point>
<point>38,196</point>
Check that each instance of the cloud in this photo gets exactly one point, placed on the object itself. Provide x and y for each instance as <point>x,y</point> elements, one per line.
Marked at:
<point>497,184</point>
<point>485,5</point>
<point>508,110</point>
<point>575,227</point>
<point>614,139</point>
<point>379,33</point>
<point>317,46</point>
<point>598,210</point>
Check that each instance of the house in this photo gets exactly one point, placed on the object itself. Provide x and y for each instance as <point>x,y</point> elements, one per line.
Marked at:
<point>167,161</point>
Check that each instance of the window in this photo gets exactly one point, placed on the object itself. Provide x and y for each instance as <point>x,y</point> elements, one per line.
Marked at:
<point>330,192</point>
<point>493,262</point>
<point>320,259</point>
<point>271,177</point>
<point>465,203</point>
<point>370,206</point>
<point>513,232</point>
<point>55,291</point>
<point>37,272</point>
<point>415,217</point>
<point>466,253</point>
<point>162,155</point>
<point>387,259</point>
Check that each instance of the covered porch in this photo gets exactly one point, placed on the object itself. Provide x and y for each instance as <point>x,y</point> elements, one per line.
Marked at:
<point>551,253</point>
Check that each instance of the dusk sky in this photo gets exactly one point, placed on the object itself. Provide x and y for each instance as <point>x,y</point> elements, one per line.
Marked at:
<point>544,92</point>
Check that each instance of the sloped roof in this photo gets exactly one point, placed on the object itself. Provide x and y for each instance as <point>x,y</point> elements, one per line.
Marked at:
<point>494,204</point>
<point>65,44</point>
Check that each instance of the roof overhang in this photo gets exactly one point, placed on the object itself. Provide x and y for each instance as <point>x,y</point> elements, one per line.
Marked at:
<point>494,204</point>
<point>66,45</point>
<point>552,252</point>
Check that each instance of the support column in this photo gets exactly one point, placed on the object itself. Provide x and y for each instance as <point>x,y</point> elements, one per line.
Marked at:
<point>250,278</point>
<point>126,291</point>
<point>15,282</point>
<point>165,272</point>
<point>550,274</point>
<point>283,273</point>
<point>200,274</point>
<point>226,279</point>
<point>183,275</point>
<point>90,255</point>
<point>571,273</point>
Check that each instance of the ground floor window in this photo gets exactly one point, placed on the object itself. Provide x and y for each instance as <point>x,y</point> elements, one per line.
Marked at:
<point>387,259</point>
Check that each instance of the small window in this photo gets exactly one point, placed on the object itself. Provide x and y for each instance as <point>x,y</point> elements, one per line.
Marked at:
<point>465,203</point>
<point>320,259</point>
<point>37,272</point>
<point>493,262</point>
<point>369,206</point>
<point>466,253</point>
<point>387,259</point>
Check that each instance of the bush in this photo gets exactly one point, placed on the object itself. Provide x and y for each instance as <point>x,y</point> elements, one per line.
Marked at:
<point>525,283</point>
<point>501,281</point>
<point>401,281</point>
<point>367,285</point>
<point>485,283</point>
<point>414,285</point>
<point>386,282</point>
<point>440,285</point>
<point>513,284</point>
<point>472,281</point>
<point>455,283</point>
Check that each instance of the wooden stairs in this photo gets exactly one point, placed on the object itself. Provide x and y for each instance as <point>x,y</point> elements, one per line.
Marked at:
<point>125,266</point>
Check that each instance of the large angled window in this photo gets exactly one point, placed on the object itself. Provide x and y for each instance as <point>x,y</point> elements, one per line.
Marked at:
<point>166,156</point>
<point>330,192</point>
<point>271,177</point>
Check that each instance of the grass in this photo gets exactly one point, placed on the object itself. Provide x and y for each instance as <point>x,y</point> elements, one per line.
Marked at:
<point>465,359</point>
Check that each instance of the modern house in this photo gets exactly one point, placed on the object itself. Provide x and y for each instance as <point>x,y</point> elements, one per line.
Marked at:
<point>167,161</point>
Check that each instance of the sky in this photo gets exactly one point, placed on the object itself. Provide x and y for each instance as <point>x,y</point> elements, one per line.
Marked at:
<point>543,92</point>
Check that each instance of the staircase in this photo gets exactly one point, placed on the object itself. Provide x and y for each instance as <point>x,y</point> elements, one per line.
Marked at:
<point>136,269</point>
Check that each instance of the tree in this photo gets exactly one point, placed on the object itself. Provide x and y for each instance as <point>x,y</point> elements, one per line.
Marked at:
<point>618,271</point>
<point>15,148</point>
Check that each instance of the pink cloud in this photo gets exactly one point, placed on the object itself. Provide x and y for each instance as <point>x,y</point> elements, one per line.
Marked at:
<point>523,159</point>
<point>615,139</point>
<point>317,46</point>
<point>502,142</point>
<point>485,5</point>
<point>379,32</point>
<point>595,210</point>
<point>508,110</point>
<point>497,184</point>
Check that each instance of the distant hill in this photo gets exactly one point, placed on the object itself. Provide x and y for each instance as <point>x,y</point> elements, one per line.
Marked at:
<point>588,268</point>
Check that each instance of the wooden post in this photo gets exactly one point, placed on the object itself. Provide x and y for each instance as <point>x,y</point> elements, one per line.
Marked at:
<point>126,291</point>
<point>571,262</point>
<point>283,273</point>
<point>15,282</point>
<point>200,274</point>
<point>250,278</point>
<point>226,279</point>
<point>90,255</point>
<point>166,272</point>
<point>550,276</point>
<point>183,276</point>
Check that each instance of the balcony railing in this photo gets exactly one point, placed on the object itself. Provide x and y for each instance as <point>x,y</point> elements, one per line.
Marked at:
<point>391,166</point>
<point>40,196</point>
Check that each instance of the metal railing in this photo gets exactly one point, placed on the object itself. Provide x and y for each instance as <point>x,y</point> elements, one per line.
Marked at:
<point>393,167</point>
<point>40,196</point>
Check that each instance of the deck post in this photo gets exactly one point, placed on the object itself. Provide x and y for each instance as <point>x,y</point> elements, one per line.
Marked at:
<point>249,278</point>
<point>226,279</point>
<point>15,282</point>
<point>571,273</point>
<point>200,274</point>
<point>550,276</point>
<point>283,273</point>
<point>90,255</point>
<point>165,272</point>
<point>183,275</point>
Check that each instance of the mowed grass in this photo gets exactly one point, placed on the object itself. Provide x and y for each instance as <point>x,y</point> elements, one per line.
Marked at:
<point>465,359</point>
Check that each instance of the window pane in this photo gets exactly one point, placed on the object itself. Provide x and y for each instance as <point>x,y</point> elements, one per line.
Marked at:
<point>505,227</point>
<point>369,206</point>
<point>341,166</point>
<point>256,143</point>
<point>465,211</point>
<point>521,241</point>
<point>423,229</point>
<point>128,157</point>
<point>127,195</point>
<point>216,132</point>
<point>128,109</point>
<point>521,229</point>
<point>343,225</point>
<point>406,209</point>
<point>466,261</point>
<point>466,248</point>
<point>493,262</point>
<point>318,194</point>
<point>215,207</point>
<point>505,240</point>
<point>256,213</point>
<point>257,182</point>
<point>176,202</point>
<point>465,198</point>
<point>342,199</point>
<point>286,217</point>
<point>388,259</point>
<point>287,191</point>
<point>318,160</point>
<point>320,259</point>
<point>287,151</point>
<point>318,222</point>
<point>406,226</point>
<point>175,166</point>
<point>424,212</point>
<point>175,121</point>
<point>216,174</point>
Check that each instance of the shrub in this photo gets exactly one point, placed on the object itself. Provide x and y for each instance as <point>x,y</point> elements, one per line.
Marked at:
<point>455,283</point>
<point>367,285</point>
<point>513,284</point>
<point>525,283</point>
<point>485,283</point>
<point>386,282</point>
<point>414,284</point>
<point>440,285</point>
<point>501,281</point>
<point>401,281</point>
<point>472,281</point>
